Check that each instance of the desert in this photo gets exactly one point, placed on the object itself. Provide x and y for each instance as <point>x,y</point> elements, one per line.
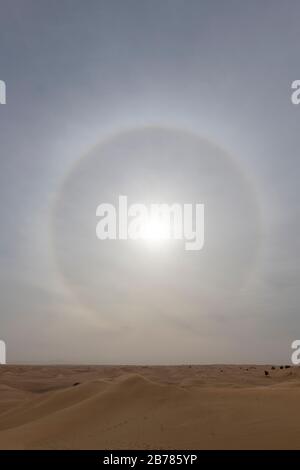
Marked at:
<point>149,407</point>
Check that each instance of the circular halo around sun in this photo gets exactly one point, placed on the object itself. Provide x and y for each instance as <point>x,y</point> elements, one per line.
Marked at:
<point>155,165</point>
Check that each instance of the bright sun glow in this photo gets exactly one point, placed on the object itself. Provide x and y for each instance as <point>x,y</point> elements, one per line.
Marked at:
<point>155,230</point>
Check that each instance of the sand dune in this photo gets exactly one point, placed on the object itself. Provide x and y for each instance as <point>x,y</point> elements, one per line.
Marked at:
<point>187,407</point>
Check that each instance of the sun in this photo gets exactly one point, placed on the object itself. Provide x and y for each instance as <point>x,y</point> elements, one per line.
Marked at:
<point>155,230</point>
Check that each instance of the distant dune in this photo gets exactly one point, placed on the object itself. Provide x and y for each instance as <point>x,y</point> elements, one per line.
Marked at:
<point>167,407</point>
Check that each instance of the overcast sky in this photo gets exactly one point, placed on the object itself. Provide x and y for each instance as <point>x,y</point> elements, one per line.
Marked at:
<point>163,99</point>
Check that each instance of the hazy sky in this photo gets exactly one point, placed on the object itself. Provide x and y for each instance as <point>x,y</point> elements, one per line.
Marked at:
<point>163,99</point>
